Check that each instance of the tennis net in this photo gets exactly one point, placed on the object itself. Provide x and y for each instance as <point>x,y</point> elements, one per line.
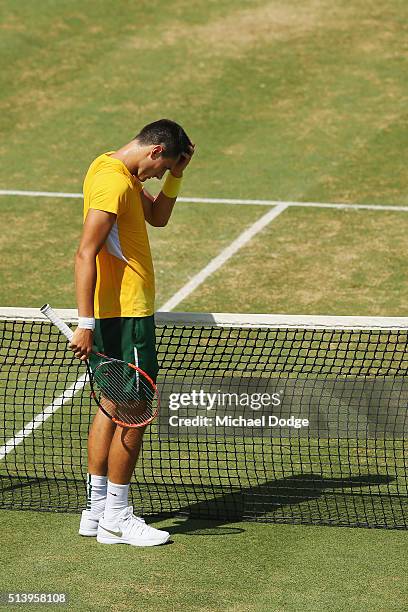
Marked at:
<point>328,448</point>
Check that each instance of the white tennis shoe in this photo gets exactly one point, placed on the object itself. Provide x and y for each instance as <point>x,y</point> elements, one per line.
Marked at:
<point>130,529</point>
<point>89,523</point>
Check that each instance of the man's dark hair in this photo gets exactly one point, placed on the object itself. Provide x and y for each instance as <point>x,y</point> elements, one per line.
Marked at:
<point>167,133</point>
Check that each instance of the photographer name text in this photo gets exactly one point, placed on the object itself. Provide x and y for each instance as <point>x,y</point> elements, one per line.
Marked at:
<point>240,421</point>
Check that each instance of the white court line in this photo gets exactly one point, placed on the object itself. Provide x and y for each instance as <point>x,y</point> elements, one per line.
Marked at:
<point>295,204</point>
<point>40,194</point>
<point>62,194</point>
<point>40,418</point>
<point>220,260</point>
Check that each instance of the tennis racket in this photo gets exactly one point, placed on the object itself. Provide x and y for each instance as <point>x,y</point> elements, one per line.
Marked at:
<point>124,392</point>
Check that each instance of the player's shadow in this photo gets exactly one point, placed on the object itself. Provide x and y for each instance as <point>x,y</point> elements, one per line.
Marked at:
<point>213,514</point>
<point>283,500</point>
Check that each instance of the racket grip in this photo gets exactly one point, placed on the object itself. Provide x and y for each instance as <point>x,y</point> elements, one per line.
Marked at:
<point>48,312</point>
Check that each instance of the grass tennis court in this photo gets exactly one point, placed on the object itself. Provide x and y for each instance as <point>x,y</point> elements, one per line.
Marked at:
<point>303,101</point>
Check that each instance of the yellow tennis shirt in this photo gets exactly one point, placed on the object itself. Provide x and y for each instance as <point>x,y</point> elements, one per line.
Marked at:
<point>125,274</point>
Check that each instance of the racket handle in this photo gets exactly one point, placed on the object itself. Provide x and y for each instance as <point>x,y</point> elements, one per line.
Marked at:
<point>48,312</point>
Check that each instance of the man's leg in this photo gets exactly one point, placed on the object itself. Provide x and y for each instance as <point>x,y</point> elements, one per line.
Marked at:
<point>116,454</point>
<point>123,453</point>
<point>112,452</point>
<point>139,347</point>
<point>99,440</point>
<point>119,525</point>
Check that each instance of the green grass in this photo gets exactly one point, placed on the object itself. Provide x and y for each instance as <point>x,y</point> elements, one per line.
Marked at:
<point>298,102</point>
<point>305,101</point>
<point>238,567</point>
<point>315,261</point>
<point>294,101</point>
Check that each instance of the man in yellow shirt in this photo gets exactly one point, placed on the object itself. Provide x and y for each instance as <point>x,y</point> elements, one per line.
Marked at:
<point>114,280</point>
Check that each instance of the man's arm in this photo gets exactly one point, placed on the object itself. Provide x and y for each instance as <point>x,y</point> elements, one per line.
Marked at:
<point>157,211</point>
<point>96,229</point>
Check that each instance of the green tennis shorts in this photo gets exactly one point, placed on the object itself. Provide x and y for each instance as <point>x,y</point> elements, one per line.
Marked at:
<point>130,339</point>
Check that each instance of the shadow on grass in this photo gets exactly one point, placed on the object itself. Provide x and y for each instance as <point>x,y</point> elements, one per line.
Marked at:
<point>304,498</point>
<point>287,501</point>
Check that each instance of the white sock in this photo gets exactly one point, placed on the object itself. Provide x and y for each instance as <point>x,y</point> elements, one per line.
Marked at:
<point>96,489</point>
<point>116,500</point>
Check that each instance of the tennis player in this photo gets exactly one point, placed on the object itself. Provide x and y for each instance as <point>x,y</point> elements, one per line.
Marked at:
<point>115,287</point>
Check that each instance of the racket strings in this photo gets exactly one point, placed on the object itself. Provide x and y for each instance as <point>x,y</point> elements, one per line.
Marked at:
<point>125,393</point>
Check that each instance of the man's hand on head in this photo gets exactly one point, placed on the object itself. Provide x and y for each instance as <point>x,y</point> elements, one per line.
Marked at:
<point>183,162</point>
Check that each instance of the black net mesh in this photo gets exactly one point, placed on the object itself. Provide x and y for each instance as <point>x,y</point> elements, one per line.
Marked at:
<point>348,475</point>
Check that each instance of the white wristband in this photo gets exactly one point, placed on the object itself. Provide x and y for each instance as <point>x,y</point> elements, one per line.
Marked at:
<point>86,323</point>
